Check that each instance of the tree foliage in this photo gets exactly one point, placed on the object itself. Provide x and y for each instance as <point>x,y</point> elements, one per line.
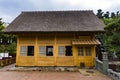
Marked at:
<point>5,38</point>
<point>1,25</point>
<point>111,38</point>
<point>106,15</point>
<point>113,31</point>
<point>100,13</point>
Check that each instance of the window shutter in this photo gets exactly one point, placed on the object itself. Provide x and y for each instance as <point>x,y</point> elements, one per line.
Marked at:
<point>80,51</point>
<point>42,50</point>
<point>23,50</point>
<point>88,51</point>
<point>61,50</point>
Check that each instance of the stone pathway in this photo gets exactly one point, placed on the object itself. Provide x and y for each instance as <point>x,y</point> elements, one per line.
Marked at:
<point>7,67</point>
<point>47,75</point>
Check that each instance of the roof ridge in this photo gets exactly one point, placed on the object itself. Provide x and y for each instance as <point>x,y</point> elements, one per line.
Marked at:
<point>57,11</point>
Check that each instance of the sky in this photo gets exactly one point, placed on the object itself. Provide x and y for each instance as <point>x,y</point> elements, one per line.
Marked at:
<point>10,9</point>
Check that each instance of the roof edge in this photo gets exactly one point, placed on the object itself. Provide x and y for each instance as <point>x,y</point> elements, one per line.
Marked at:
<point>15,32</point>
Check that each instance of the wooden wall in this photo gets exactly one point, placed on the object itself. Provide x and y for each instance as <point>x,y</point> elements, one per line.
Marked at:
<point>55,40</point>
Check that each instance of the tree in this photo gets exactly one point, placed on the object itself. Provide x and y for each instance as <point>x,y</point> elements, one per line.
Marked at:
<point>113,15</point>
<point>112,33</point>
<point>1,25</point>
<point>117,14</point>
<point>106,15</point>
<point>100,13</point>
<point>4,39</point>
<point>111,38</point>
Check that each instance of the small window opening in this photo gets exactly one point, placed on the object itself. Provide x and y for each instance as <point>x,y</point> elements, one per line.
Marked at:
<point>68,50</point>
<point>49,51</point>
<point>30,51</point>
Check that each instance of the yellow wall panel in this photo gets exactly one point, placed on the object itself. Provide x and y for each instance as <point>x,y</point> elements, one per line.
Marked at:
<point>65,61</point>
<point>54,40</point>
<point>26,61</point>
<point>45,61</point>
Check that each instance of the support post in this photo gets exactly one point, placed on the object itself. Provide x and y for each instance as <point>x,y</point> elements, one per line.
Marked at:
<point>105,62</point>
<point>95,62</point>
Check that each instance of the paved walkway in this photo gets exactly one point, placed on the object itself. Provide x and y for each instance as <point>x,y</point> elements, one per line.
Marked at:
<point>39,75</point>
<point>7,67</point>
<point>35,75</point>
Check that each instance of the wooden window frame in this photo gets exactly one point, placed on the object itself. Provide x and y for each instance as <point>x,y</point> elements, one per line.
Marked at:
<point>23,52</point>
<point>59,53</point>
<point>43,51</point>
<point>46,50</point>
<point>26,51</point>
<point>88,51</point>
<point>64,53</point>
<point>80,51</point>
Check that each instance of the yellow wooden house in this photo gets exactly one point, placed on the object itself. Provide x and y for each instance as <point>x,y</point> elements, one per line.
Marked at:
<point>56,38</point>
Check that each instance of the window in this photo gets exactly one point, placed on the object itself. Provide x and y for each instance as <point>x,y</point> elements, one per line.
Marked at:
<point>27,50</point>
<point>68,51</point>
<point>46,50</point>
<point>61,50</point>
<point>65,50</point>
<point>80,51</point>
<point>42,50</point>
<point>23,50</point>
<point>49,51</point>
<point>88,51</point>
<point>30,51</point>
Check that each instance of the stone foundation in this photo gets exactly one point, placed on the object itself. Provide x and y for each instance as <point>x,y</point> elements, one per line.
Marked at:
<point>69,69</point>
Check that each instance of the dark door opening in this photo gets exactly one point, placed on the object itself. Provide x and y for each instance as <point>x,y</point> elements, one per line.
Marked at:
<point>49,51</point>
<point>30,51</point>
<point>68,51</point>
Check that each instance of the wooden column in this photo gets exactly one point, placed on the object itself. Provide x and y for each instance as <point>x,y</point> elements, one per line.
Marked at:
<point>75,56</point>
<point>36,50</point>
<point>17,51</point>
<point>93,54</point>
<point>55,51</point>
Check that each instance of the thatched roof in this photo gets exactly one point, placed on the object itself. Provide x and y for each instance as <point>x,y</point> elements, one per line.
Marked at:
<point>56,21</point>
